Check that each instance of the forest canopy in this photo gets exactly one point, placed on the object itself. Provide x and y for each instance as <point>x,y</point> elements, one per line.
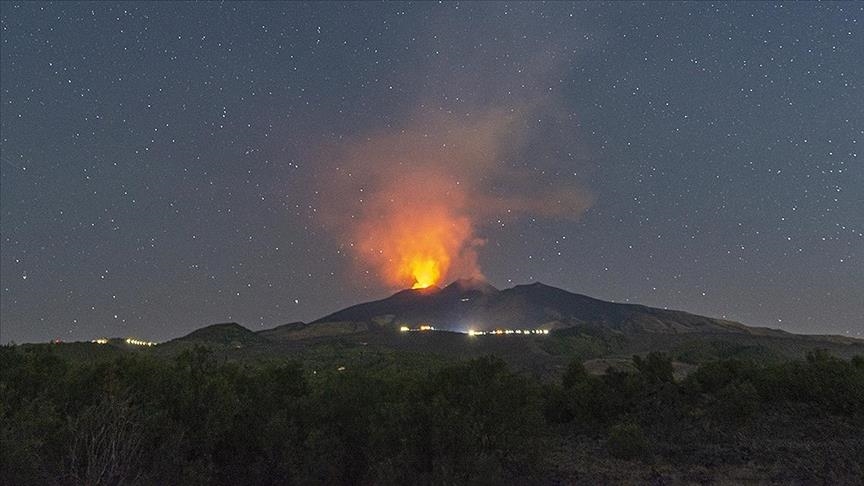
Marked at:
<point>195,420</point>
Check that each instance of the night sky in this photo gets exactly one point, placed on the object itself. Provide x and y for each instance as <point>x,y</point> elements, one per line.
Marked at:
<point>168,166</point>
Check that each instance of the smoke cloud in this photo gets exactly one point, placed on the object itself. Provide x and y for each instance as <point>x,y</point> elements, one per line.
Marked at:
<point>490,139</point>
<point>411,203</point>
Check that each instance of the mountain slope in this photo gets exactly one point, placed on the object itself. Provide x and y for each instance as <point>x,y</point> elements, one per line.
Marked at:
<point>582,327</point>
<point>472,305</point>
<point>229,334</point>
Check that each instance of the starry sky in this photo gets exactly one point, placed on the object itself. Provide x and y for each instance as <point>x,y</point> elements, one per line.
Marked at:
<point>170,165</point>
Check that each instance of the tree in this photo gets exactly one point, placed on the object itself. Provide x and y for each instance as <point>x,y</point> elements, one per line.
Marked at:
<point>106,448</point>
<point>656,367</point>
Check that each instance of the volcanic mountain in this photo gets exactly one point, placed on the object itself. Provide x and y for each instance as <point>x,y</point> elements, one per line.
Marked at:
<point>578,325</point>
<point>474,304</point>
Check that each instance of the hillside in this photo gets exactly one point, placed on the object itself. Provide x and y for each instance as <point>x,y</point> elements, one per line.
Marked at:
<point>579,327</point>
<point>225,335</point>
<point>465,305</point>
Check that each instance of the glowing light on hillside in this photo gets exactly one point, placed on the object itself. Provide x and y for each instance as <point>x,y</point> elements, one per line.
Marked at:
<point>138,342</point>
<point>420,328</point>
<point>508,332</point>
<point>474,332</point>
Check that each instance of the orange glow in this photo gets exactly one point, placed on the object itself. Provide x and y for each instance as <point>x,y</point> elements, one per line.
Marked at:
<point>417,235</point>
<point>406,202</point>
<point>426,272</point>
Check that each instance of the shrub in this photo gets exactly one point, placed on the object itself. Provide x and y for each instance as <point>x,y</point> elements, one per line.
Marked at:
<point>735,403</point>
<point>627,441</point>
<point>656,367</point>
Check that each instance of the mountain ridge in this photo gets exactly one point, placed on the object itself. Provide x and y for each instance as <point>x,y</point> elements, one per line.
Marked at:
<point>578,325</point>
<point>460,307</point>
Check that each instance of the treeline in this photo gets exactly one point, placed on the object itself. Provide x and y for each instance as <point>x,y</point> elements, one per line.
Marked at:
<point>193,420</point>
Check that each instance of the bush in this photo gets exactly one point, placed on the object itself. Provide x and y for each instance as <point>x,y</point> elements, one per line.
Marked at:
<point>735,403</point>
<point>626,441</point>
<point>656,368</point>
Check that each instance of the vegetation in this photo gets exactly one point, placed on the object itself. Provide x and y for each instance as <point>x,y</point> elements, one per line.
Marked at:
<point>139,419</point>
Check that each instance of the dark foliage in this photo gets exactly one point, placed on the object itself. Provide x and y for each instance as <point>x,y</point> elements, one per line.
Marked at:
<point>626,441</point>
<point>195,420</point>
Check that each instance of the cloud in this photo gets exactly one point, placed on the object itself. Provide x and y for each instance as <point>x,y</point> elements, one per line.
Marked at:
<point>488,137</point>
<point>420,195</point>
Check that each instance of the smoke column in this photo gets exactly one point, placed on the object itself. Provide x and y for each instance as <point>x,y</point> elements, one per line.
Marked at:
<point>410,203</point>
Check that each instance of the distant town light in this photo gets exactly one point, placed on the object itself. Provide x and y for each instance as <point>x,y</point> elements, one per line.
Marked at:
<point>499,332</point>
<point>138,342</point>
<point>475,332</point>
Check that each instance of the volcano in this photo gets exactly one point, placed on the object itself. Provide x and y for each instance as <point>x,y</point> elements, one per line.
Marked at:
<point>577,325</point>
<point>472,304</point>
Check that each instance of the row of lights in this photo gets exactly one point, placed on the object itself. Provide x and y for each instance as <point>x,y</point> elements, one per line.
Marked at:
<point>498,332</point>
<point>472,332</point>
<point>132,341</point>
<point>423,327</point>
<point>138,342</point>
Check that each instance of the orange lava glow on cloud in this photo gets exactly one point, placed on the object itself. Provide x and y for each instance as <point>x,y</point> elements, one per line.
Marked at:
<point>407,204</point>
<point>417,235</point>
<point>426,273</point>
